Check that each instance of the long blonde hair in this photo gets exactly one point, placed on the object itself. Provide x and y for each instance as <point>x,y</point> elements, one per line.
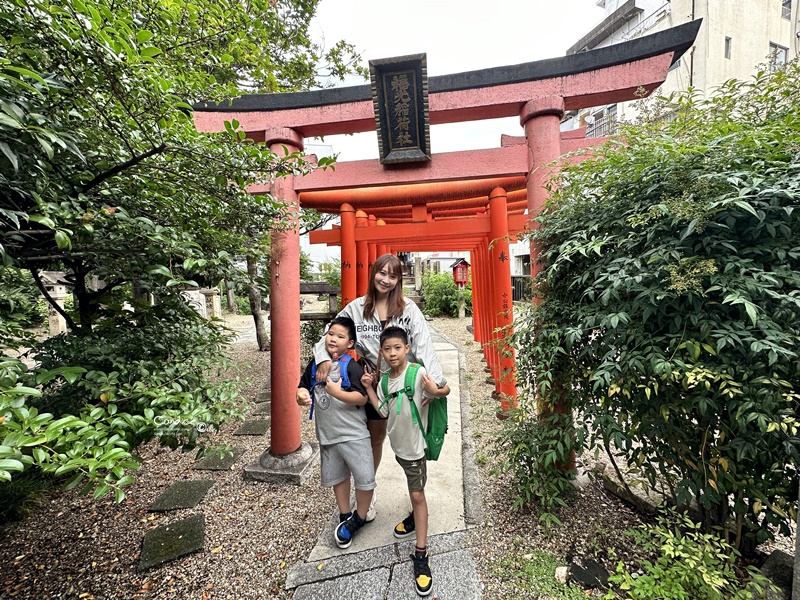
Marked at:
<point>395,302</point>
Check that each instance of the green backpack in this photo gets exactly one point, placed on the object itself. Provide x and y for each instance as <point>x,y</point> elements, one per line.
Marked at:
<point>437,412</point>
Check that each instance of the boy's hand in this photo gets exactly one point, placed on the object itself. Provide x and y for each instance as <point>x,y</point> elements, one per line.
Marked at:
<point>334,388</point>
<point>366,380</point>
<point>303,397</point>
<point>323,369</point>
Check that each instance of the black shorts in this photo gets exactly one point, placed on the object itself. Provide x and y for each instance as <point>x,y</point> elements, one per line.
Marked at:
<point>372,414</point>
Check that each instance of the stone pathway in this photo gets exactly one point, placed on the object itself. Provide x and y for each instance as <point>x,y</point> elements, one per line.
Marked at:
<point>376,565</point>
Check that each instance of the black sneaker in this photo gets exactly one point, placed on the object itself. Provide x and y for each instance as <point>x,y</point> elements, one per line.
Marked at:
<point>422,574</point>
<point>405,529</point>
<point>346,530</point>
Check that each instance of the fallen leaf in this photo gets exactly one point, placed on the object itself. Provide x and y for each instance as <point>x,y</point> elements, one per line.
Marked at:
<point>320,565</point>
<point>215,550</point>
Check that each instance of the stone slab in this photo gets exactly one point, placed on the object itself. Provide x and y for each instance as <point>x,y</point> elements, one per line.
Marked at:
<point>339,566</point>
<point>367,585</point>
<point>168,542</point>
<point>292,469</point>
<point>265,396</point>
<point>183,494</point>
<point>778,569</point>
<point>265,408</point>
<point>213,462</point>
<point>454,576</point>
<point>254,427</point>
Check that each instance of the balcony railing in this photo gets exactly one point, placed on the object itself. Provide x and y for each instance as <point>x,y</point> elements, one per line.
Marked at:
<point>602,126</point>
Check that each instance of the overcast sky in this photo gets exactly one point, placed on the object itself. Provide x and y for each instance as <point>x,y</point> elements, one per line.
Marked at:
<point>456,36</point>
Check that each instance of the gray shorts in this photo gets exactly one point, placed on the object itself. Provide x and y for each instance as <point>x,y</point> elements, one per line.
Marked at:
<point>339,461</point>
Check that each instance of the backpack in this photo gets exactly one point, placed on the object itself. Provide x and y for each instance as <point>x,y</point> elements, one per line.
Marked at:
<point>437,412</point>
<point>343,361</point>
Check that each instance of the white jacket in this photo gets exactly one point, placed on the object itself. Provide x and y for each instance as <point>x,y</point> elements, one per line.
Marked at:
<point>368,334</point>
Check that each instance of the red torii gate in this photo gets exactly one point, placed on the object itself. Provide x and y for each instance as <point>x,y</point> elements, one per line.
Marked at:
<point>449,211</point>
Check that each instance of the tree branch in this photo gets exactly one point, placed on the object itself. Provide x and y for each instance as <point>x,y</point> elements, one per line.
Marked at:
<point>121,167</point>
<point>50,301</point>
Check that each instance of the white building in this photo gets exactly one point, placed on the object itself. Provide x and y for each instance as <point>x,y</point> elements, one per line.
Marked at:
<point>736,38</point>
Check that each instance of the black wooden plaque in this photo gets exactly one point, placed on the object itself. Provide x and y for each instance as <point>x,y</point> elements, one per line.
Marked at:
<point>400,99</point>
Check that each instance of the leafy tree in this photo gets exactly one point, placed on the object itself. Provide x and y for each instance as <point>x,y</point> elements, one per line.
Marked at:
<point>442,295</point>
<point>670,306</point>
<point>103,175</point>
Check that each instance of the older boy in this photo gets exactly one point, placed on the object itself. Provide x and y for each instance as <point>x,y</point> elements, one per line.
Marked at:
<point>407,441</point>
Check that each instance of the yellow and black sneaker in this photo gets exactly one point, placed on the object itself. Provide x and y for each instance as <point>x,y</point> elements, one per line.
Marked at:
<point>422,574</point>
<point>405,529</point>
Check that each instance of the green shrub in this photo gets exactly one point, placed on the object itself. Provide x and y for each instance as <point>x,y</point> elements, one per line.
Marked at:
<point>155,372</point>
<point>689,565</point>
<point>670,304</point>
<point>534,451</point>
<point>331,272</point>
<point>310,333</point>
<point>22,495</point>
<point>442,295</point>
<point>21,301</point>
<point>243,305</point>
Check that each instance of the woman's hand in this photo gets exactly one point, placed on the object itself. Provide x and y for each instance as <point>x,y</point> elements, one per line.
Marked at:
<point>303,397</point>
<point>430,386</point>
<point>323,369</point>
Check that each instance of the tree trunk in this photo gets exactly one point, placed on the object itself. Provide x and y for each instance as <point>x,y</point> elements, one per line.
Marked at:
<point>230,299</point>
<point>254,295</point>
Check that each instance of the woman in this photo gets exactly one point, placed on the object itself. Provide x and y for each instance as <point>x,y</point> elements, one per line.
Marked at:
<point>384,304</point>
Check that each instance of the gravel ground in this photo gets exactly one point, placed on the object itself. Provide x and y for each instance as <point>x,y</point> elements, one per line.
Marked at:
<point>73,547</point>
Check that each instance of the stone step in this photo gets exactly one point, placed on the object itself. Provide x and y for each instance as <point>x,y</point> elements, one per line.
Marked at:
<point>183,494</point>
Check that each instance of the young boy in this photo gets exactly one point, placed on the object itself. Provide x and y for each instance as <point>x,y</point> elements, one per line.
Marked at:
<point>407,442</point>
<point>342,432</point>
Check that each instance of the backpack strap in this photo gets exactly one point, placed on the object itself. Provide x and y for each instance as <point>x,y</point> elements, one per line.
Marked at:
<point>407,389</point>
<point>343,362</point>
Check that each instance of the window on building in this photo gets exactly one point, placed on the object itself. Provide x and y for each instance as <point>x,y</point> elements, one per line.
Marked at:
<point>777,55</point>
<point>727,47</point>
<point>786,9</point>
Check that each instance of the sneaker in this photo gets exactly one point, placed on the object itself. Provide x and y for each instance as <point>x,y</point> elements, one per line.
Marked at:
<point>372,513</point>
<point>422,574</point>
<point>405,529</point>
<point>346,530</point>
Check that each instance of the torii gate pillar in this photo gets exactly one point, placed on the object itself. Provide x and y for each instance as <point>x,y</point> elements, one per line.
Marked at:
<point>288,459</point>
<point>501,267</point>
<point>541,119</point>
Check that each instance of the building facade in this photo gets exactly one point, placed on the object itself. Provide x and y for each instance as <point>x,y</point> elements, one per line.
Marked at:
<point>737,38</point>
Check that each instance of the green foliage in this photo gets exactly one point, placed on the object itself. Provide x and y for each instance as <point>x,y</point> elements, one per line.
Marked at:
<point>310,333</point>
<point>305,267</point>
<point>331,272</point>
<point>21,301</point>
<point>104,175</point>
<point>670,313</point>
<point>535,450</point>
<point>22,495</point>
<point>243,305</point>
<point>104,172</point>
<point>97,396</point>
<point>689,565</point>
<point>442,295</point>
<point>530,575</point>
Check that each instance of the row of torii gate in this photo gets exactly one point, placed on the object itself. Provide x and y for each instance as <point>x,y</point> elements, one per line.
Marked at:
<point>466,201</point>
